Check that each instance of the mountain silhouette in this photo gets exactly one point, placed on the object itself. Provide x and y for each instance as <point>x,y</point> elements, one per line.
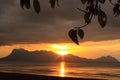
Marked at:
<point>48,56</point>
<point>24,55</point>
<point>107,59</point>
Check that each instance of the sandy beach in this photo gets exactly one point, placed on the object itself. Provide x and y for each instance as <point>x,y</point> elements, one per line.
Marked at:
<point>18,76</point>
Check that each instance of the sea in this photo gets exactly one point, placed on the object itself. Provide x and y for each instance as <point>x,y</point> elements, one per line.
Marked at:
<point>110,71</point>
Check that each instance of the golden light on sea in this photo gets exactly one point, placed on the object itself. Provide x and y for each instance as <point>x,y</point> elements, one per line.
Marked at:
<point>62,69</point>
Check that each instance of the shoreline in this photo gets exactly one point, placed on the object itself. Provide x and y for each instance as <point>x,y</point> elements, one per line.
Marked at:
<point>20,76</point>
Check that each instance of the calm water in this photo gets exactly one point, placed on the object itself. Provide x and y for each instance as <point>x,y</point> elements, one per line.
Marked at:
<point>109,71</point>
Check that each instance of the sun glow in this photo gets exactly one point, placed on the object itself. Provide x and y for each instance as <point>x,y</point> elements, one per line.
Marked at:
<point>60,49</point>
<point>62,52</point>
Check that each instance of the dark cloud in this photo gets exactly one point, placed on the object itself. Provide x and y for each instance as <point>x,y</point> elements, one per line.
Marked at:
<point>51,25</point>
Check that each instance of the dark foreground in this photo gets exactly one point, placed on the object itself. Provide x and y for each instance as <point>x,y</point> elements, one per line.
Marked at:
<point>17,76</point>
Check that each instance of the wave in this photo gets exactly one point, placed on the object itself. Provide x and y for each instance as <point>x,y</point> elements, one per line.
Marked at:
<point>108,74</point>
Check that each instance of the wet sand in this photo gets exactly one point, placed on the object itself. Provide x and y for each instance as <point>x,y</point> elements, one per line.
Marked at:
<point>18,76</point>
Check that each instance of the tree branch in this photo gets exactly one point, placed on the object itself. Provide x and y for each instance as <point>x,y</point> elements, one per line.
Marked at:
<point>81,10</point>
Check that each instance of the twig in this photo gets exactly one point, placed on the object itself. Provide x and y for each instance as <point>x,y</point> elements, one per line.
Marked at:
<point>82,10</point>
<point>81,26</point>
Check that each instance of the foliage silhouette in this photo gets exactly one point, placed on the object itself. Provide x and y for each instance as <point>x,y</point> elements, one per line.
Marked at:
<point>73,35</point>
<point>36,5</point>
<point>92,8</point>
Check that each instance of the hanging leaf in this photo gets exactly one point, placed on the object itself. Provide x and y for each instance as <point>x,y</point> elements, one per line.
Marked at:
<point>118,1</point>
<point>89,2</point>
<point>36,5</point>
<point>116,10</point>
<point>27,4</point>
<point>81,33</point>
<point>84,1</point>
<point>87,17</point>
<point>102,18</point>
<point>57,2</point>
<point>95,11</point>
<point>90,8</point>
<point>52,2</point>
<point>73,35</point>
<point>102,1</point>
<point>110,1</point>
<point>22,2</point>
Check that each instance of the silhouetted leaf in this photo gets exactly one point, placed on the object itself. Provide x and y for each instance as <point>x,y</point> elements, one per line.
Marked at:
<point>102,1</point>
<point>110,1</point>
<point>36,5</point>
<point>90,2</point>
<point>22,2</point>
<point>27,4</point>
<point>95,11</point>
<point>83,1</point>
<point>118,1</point>
<point>81,33</point>
<point>87,17</point>
<point>52,2</point>
<point>73,35</point>
<point>90,8</point>
<point>57,2</point>
<point>102,18</point>
<point>116,10</point>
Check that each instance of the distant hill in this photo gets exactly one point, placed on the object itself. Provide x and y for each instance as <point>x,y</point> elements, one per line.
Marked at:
<point>48,56</point>
<point>107,59</point>
<point>24,55</point>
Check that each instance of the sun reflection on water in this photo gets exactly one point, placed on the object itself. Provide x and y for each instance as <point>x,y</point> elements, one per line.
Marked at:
<point>62,69</point>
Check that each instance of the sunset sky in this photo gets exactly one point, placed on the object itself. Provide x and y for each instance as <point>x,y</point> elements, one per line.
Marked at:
<point>48,30</point>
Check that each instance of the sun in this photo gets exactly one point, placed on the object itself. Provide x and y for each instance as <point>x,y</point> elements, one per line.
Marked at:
<point>62,53</point>
<point>60,49</point>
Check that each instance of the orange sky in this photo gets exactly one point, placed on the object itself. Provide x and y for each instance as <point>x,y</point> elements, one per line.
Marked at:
<point>86,49</point>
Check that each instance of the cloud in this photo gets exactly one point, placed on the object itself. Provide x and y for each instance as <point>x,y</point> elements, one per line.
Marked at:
<point>51,25</point>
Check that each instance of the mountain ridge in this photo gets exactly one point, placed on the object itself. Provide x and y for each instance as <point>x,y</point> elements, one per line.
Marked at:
<point>49,56</point>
